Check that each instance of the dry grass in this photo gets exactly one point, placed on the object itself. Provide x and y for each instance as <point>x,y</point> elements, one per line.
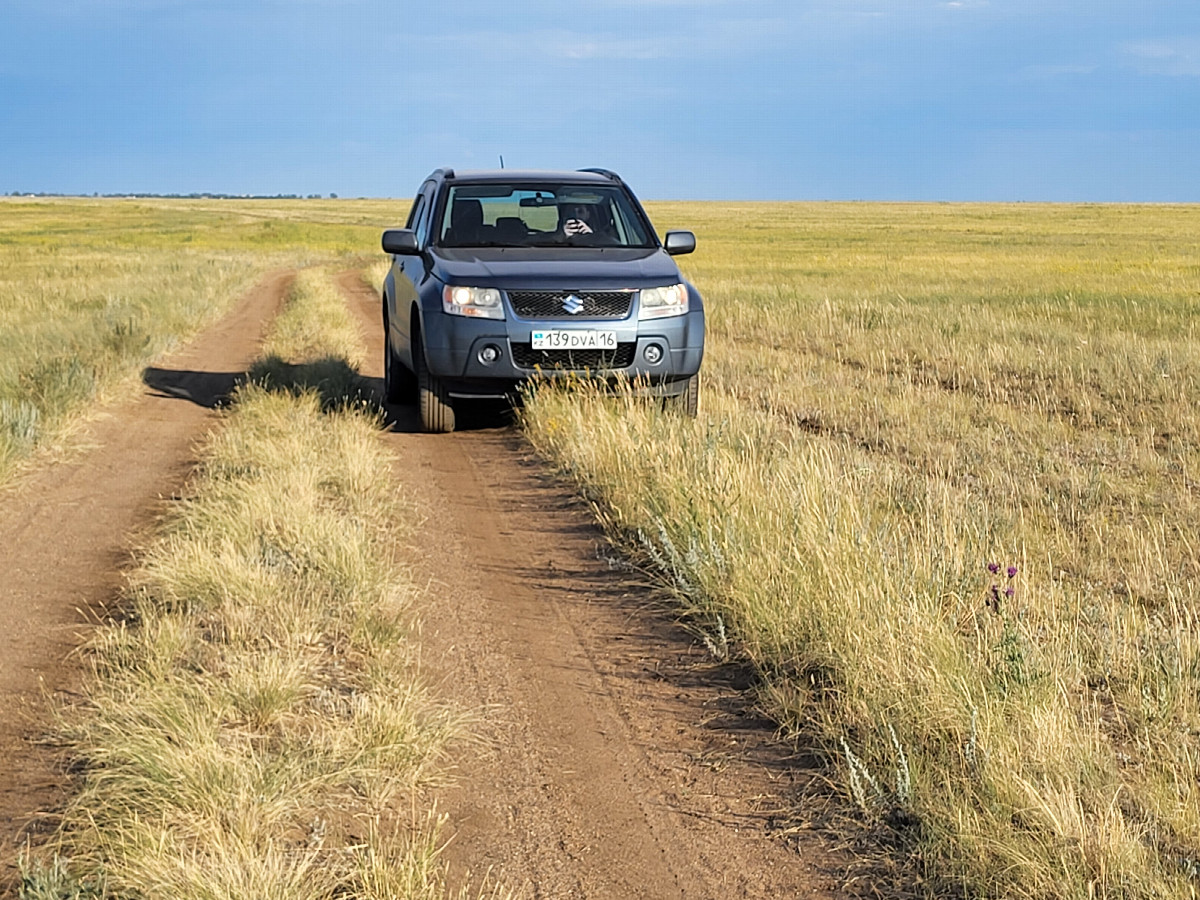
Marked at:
<point>374,274</point>
<point>93,290</point>
<point>255,726</point>
<point>895,397</point>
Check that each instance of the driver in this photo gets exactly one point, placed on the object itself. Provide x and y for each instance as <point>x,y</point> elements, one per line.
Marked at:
<point>577,219</point>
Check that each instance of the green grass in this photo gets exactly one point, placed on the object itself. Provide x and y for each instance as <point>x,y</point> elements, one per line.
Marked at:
<point>92,290</point>
<point>894,397</point>
<point>254,725</point>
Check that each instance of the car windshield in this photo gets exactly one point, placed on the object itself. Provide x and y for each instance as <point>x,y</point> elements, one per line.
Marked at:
<point>541,215</point>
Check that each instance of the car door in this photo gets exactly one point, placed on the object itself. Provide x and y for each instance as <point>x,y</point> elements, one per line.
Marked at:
<point>410,271</point>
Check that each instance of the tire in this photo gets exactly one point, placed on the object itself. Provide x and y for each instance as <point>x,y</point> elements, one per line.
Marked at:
<point>688,402</point>
<point>437,409</point>
<point>399,384</point>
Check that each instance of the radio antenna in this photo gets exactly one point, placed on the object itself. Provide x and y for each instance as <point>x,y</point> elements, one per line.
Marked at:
<point>502,160</point>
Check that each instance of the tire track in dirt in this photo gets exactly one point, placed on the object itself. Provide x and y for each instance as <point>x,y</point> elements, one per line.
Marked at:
<point>616,760</point>
<point>66,531</point>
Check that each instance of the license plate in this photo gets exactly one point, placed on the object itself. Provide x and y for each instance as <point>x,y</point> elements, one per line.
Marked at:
<point>574,340</point>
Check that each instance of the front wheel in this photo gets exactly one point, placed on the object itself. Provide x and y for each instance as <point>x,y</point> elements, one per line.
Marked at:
<point>437,409</point>
<point>687,402</point>
<point>399,384</point>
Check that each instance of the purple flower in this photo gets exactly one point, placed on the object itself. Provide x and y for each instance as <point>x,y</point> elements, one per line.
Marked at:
<point>993,568</point>
<point>1008,591</point>
<point>1012,570</point>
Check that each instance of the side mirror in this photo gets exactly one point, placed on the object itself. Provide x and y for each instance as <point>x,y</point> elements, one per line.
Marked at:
<point>679,242</point>
<point>399,241</point>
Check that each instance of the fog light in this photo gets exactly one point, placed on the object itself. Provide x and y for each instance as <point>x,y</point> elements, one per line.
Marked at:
<point>489,354</point>
<point>653,354</point>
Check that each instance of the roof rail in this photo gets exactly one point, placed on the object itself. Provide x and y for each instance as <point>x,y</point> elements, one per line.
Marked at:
<point>607,173</point>
<point>448,174</point>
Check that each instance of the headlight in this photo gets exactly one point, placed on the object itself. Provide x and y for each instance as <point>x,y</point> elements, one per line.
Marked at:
<point>482,303</point>
<point>660,302</point>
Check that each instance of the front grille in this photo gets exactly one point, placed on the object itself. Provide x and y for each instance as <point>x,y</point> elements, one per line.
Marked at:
<point>549,304</point>
<point>525,357</point>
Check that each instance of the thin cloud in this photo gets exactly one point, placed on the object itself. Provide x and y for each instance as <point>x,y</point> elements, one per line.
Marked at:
<point>737,36</point>
<point>1034,73</point>
<point>579,46</point>
<point>556,43</point>
<point>1179,56</point>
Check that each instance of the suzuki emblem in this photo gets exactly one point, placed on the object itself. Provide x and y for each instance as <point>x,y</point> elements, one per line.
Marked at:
<point>572,304</point>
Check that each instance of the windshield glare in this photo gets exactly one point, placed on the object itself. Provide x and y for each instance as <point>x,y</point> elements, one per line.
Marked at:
<point>519,215</point>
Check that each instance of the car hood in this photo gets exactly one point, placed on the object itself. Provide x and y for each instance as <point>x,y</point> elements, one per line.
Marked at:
<point>537,268</point>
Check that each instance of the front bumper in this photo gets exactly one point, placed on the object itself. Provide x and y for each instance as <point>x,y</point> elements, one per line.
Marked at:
<point>457,350</point>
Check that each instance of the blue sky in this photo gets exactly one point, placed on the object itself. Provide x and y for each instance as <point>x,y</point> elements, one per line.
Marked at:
<point>1064,100</point>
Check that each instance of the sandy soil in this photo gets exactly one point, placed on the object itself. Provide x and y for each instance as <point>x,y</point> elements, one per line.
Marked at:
<point>617,760</point>
<point>66,530</point>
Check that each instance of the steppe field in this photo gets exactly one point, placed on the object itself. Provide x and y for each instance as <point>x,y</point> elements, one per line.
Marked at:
<point>944,496</point>
<point>92,290</point>
<point>942,500</point>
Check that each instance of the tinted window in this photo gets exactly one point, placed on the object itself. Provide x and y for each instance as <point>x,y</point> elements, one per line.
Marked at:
<point>534,215</point>
<point>415,212</point>
<point>424,217</point>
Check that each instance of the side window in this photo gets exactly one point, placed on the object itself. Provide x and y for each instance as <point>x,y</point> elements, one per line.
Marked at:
<point>425,201</point>
<point>416,216</point>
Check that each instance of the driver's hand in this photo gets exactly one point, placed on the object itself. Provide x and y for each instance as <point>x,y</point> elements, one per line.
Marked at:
<point>576,226</point>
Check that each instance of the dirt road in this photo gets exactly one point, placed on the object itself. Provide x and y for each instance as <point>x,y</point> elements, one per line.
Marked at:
<point>66,530</point>
<point>617,761</point>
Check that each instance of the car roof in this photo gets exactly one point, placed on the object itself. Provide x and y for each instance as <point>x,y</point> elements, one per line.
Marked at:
<point>593,176</point>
